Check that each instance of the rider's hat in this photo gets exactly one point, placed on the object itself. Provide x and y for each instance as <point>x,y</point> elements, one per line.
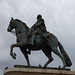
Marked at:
<point>39,16</point>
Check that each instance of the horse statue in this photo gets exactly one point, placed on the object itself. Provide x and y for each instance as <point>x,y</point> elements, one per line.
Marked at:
<point>21,32</point>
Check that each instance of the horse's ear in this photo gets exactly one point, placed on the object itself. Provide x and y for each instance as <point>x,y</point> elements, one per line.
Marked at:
<point>12,18</point>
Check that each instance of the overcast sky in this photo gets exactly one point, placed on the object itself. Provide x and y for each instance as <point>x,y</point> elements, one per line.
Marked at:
<point>59,16</point>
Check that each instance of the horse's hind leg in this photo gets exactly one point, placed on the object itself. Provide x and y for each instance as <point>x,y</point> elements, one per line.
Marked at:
<point>48,54</point>
<point>55,50</point>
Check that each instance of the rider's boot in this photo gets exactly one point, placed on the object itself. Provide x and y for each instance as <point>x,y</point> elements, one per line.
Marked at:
<point>32,40</point>
<point>33,37</point>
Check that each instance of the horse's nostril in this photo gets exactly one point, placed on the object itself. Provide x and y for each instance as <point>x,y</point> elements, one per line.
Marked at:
<point>8,30</point>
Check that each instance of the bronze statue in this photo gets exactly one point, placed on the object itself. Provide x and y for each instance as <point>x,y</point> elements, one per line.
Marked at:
<point>45,41</point>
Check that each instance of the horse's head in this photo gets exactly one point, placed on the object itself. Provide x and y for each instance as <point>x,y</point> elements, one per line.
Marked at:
<point>11,25</point>
<point>18,25</point>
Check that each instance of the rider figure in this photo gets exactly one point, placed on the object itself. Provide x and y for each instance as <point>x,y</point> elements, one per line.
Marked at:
<point>38,27</point>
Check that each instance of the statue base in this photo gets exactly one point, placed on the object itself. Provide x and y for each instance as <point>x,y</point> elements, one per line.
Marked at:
<point>24,70</point>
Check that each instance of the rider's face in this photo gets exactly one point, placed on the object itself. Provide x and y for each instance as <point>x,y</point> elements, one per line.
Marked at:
<point>38,18</point>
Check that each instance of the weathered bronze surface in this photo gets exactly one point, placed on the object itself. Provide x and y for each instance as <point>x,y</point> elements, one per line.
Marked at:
<point>37,38</point>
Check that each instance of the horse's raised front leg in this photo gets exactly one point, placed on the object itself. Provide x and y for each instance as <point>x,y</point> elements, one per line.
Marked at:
<point>11,50</point>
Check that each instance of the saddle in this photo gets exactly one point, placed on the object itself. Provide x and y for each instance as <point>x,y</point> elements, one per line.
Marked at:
<point>45,36</point>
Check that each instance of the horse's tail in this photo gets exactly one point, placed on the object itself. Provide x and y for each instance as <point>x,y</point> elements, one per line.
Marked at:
<point>66,57</point>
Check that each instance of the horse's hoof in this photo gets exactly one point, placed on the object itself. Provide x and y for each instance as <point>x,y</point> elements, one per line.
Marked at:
<point>28,65</point>
<point>40,65</point>
<point>45,67</point>
<point>13,56</point>
<point>63,67</point>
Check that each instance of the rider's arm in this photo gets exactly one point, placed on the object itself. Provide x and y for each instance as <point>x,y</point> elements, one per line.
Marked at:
<point>39,23</point>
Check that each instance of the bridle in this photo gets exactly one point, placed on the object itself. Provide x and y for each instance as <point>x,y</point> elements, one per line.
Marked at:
<point>13,32</point>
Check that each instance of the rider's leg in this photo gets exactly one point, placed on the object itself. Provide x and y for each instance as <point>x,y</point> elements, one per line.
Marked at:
<point>33,37</point>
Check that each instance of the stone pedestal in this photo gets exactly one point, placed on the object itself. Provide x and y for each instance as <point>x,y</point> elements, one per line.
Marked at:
<point>36,71</point>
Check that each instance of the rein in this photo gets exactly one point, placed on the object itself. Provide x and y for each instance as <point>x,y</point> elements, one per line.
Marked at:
<point>13,32</point>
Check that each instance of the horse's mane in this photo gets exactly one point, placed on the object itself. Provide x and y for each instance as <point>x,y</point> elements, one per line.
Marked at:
<point>22,23</point>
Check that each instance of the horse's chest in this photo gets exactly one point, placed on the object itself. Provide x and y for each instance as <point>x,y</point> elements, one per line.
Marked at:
<point>20,37</point>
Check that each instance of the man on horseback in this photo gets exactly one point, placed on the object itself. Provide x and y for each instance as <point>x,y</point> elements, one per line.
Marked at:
<point>47,42</point>
<point>38,27</point>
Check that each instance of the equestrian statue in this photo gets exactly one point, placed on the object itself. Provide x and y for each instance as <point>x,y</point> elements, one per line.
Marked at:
<point>37,38</point>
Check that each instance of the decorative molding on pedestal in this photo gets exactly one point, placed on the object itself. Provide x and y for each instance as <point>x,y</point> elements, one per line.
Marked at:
<point>36,71</point>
